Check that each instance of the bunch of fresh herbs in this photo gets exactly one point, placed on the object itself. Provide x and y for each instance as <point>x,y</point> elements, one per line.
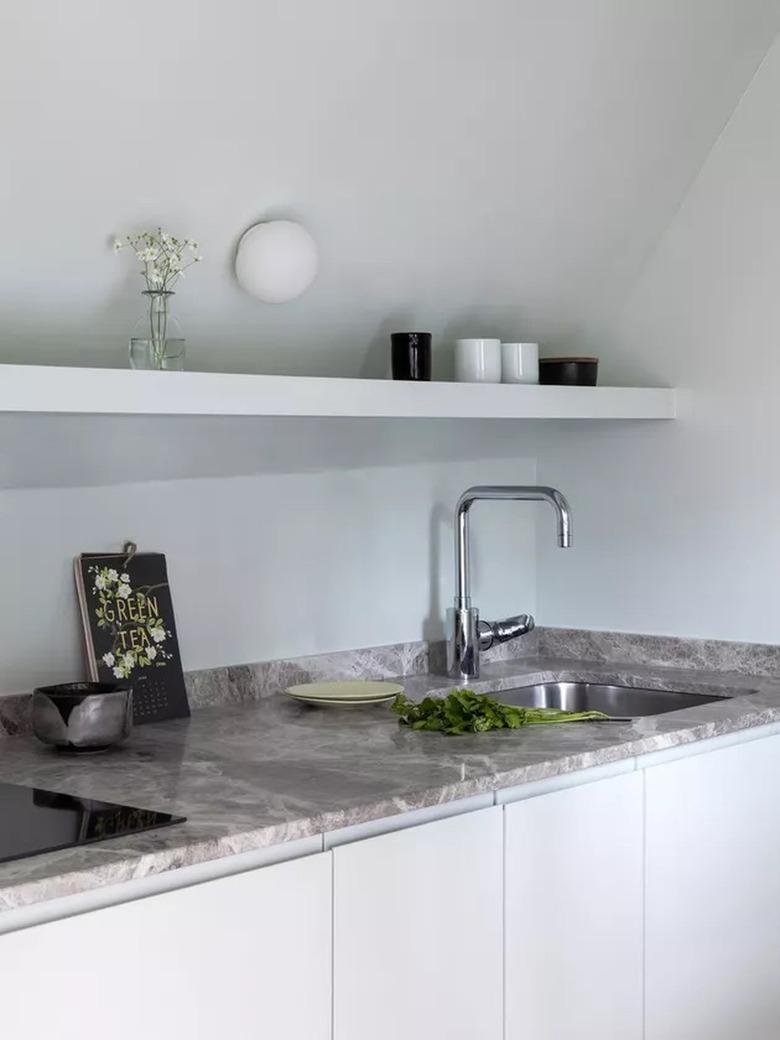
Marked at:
<point>464,711</point>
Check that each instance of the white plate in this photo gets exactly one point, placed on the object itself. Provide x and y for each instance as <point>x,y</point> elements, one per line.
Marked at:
<point>323,702</point>
<point>355,692</point>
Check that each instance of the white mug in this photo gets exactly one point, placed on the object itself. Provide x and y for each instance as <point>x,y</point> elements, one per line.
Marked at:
<point>478,360</point>
<point>520,362</point>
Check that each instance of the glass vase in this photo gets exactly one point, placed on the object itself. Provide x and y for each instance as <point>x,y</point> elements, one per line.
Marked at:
<point>157,341</point>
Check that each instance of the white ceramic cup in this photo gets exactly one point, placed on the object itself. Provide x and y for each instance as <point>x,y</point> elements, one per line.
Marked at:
<point>478,360</point>
<point>520,362</point>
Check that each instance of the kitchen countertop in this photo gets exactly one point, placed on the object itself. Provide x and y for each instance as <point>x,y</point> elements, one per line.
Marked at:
<point>257,774</point>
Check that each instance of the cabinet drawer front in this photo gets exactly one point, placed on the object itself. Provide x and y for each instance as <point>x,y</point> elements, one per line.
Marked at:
<point>418,933</point>
<point>228,958</point>
<point>713,895</point>
<point>574,913</point>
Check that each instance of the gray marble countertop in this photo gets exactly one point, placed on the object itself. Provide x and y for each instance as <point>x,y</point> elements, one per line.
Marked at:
<point>252,775</point>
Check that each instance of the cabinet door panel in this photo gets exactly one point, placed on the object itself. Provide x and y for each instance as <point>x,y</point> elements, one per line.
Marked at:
<point>574,913</point>
<point>713,895</point>
<point>228,958</point>
<point>418,933</point>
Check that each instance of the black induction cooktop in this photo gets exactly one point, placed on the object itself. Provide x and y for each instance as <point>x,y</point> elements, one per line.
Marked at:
<point>33,820</point>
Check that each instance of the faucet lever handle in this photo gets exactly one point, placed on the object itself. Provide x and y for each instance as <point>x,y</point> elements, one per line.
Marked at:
<point>502,631</point>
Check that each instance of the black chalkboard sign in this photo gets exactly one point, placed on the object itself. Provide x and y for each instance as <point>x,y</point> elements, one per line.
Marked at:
<point>130,631</point>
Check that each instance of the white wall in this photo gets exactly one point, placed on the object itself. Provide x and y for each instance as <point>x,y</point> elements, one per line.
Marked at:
<point>677,525</point>
<point>483,166</point>
<point>264,566</point>
<point>474,166</point>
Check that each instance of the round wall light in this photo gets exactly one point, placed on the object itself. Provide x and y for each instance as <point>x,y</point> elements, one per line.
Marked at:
<point>276,261</point>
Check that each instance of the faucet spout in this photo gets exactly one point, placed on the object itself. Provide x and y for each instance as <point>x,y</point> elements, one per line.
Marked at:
<point>520,493</point>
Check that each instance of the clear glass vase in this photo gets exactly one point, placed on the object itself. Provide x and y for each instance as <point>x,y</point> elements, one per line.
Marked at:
<point>157,341</point>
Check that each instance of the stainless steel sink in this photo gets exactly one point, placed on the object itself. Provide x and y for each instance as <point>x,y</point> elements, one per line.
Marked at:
<point>621,701</point>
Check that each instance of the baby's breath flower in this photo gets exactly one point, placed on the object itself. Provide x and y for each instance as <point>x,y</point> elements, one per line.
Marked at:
<point>117,244</point>
<point>161,256</point>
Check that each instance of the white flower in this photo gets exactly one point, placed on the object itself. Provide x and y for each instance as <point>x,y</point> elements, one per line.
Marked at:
<point>100,582</point>
<point>161,256</point>
<point>112,575</point>
<point>109,659</point>
<point>128,661</point>
<point>119,673</point>
<point>124,578</point>
<point>151,652</point>
<point>124,591</point>
<point>158,635</point>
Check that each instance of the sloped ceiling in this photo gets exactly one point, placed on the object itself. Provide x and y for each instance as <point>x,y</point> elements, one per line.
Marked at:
<point>470,166</point>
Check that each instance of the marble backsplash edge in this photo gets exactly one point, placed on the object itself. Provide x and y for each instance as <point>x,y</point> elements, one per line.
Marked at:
<point>715,655</point>
<point>248,682</point>
<point>235,684</point>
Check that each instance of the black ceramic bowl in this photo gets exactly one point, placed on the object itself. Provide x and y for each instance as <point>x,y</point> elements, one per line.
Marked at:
<point>568,371</point>
<point>82,717</point>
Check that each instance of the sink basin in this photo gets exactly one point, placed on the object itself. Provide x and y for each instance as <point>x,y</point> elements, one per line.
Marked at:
<point>622,701</point>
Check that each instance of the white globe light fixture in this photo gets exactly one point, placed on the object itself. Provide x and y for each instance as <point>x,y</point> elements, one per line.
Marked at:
<point>276,261</point>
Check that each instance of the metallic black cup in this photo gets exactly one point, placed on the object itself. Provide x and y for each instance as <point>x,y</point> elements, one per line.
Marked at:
<point>82,717</point>
<point>411,355</point>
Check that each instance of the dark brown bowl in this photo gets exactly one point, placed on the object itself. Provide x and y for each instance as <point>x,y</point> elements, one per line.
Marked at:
<point>569,371</point>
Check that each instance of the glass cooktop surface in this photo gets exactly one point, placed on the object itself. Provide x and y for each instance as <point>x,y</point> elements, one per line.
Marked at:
<point>33,820</point>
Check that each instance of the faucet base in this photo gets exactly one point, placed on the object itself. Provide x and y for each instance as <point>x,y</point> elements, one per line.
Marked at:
<point>463,642</point>
<point>467,636</point>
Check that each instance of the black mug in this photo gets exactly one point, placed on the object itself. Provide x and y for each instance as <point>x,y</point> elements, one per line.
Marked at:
<point>411,355</point>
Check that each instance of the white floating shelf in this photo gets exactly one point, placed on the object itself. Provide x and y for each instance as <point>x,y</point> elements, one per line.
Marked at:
<point>104,391</point>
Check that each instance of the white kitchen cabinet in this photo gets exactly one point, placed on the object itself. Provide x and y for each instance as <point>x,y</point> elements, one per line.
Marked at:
<point>418,933</point>
<point>713,895</point>
<point>574,913</point>
<point>243,957</point>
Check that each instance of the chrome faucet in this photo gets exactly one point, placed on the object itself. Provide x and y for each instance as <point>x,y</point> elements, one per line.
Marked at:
<point>466,634</point>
